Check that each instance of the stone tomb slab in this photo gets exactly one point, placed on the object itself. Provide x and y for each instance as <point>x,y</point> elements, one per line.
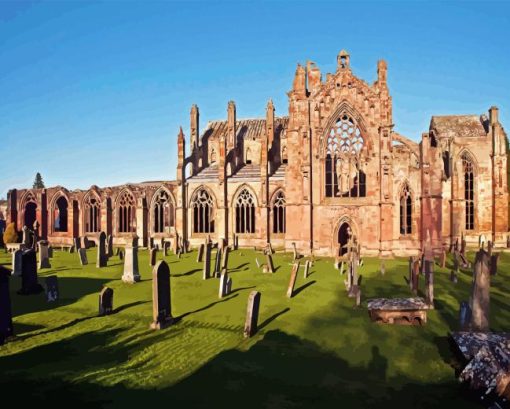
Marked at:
<point>403,311</point>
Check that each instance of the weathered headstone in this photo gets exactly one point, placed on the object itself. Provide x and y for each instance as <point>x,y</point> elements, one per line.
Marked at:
<point>494,264</point>
<point>292,282</point>
<point>50,252</point>
<point>17,257</point>
<point>307,269</point>
<point>429,282</point>
<point>463,246</point>
<point>44,261</point>
<point>252,314</point>
<point>84,240</point>
<point>165,246</point>
<point>29,281</point>
<point>269,263</point>
<point>131,273</point>
<point>415,279</point>
<point>77,243</point>
<point>105,301</point>
<point>442,259</point>
<point>224,260</point>
<point>27,237</point>
<point>294,252</point>
<point>71,249</point>
<point>52,293</point>
<point>480,298</point>
<point>161,302</point>
<point>153,255</point>
<point>207,262</point>
<point>217,263</point>
<point>464,316</point>
<point>121,255</point>
<point>117,251</point>
<point>229,285</point>
<point>223,284</point>
<point>357,294</point>
<point>109,246</point>
<point>200,254</point>
<point>101,251</point>
<point>151,243</point>
<point>6,328</point>
<point>82,253</point>
<point>489,248</point>
<point>236,242</point>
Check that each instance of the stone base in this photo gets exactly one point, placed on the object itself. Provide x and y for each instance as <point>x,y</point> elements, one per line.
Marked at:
<point>162,324</point>
<point>406,317</point>
<point>131,279</point>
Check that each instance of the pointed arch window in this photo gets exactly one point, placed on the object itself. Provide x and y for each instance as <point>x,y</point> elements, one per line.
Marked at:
<point>92,210</point>
<point>203,212</point>
<point>126,213</point>
<point>406,211</point>
<point>344,171</point>
<point>245,212</point>
<point>279,213</point>
<point>60,215</point>
<point>469,195</point>
<point>163,213</point>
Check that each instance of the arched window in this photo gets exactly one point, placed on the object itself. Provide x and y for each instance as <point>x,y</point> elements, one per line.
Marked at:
<point>126,213</point>
<point>213,156</point>
<point>469,196</point>
<point>245,212</point>
<point>344,173</point>
<point>406,211</point>
<point>60,215</point>
<point>162,213</point>
<point>203,216</point>
<point>92,211</point>
<point>279,213</point>
<point>30,213</point>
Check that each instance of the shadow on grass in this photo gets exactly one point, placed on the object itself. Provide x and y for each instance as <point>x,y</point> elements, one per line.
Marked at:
<point>188,273</point>
<point>206,307</point>
<point>242,288</point>
<point>302,288</point>
<point>126,306</point>
<point>273,317</point>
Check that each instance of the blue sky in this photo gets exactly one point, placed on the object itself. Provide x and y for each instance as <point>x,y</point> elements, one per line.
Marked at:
<point>94,93</point>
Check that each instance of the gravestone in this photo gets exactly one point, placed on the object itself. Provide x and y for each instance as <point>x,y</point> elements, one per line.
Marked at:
<point>464,316</point>
<point>223,284</point>
<point>200,254</point>
<point>51,288</point>
<point>101,251</point>
<point>269,263</point>
<point>71,249</point>
<point>442,259</point>
<point>17,257</point>
<point>252,314</point>
<point>161,302</point>
<point>383,268</point>
<point>480,298</point>
<point>307,269</point>
<point>117,251</point>
<point>151,243</point>
<point>121,255</point>
<point>105,301</point>
<point>131,273</point>
<point>44,261</point>
<point>82,253</point>
<point>294,252</point>
<point>224,260</point>
<point>217,263</point>
<point>292,282</point>
<point>481,241</point>
<point>29,281</point>
<point>429,282</point>
<point>463,246</point>
<point>77,243</point>
<point>6,328</point>
<point>415,279</point>
<point>489,248</point>
<point>165,246</point>
<point>411,264</point>
<point>207,262</point>
<point>84,242</point>
<point>109,246</point>
<point>27,237</point>
<point>494,264</point>
<point>179,252</point>
<point>229,285</point>
<point>341,268</point>
<point>50,252</point>
<point>236,242</point>
<point>453,277</point>
<point>153,255</point>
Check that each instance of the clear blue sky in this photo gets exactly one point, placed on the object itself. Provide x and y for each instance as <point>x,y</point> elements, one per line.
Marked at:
<point>94,93</point>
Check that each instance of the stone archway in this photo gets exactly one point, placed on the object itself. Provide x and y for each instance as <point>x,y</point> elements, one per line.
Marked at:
<point>344,235</point>
<point>30,214</point>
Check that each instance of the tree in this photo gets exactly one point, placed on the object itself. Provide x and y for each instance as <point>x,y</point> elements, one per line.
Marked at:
<point>10,234</point>
<point>38,182</point>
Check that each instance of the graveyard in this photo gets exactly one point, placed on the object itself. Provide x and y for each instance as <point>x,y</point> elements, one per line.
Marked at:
<point>314,348</point>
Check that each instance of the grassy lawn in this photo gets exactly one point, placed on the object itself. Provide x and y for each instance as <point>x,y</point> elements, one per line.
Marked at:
<point>314,350</point>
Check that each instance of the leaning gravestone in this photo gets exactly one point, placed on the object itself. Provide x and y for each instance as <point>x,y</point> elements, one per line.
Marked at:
<point>480,298</point>
<point>16,262</point>
<point>105,301</point>
<point>207,262</point>
<point>307,269</point>
<point>200,254</point>
<point>292,282</point>
<point>494,264</point>
<point>294,252</point>
<point>223,284</point>
<point>131,273</point>
<point>71,249</point>
<point>153,255</point>
<point>252,314</point>
<point>109,246</point>
<point>77,243</point>
<point>6,329</point>
<point>217,263</point>
<point>52,288</point>
<point>161,302</point>
<point>82,253</point>
<point>429,282</point>
<point>101,251</point>
<point>229,285</point>
<point>224,260</point>
<point>165,248</point>
<point>269,262</point>
<point>44,261</point>
<point>29,282</point>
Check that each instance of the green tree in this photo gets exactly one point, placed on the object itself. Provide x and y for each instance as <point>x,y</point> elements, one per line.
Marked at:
<point>10,234</point>
<point>38,182</point>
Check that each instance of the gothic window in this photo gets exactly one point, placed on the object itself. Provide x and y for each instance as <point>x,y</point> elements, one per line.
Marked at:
<point>30,213</point>
<point>245,212</point>
<point>406,211</point>
<point>203,218</point>
<point>163,213</point>
<point>279,213</point>
<point>469,197</point>
<point>60,215</point>
<point>344,173</point>
<point>126,212</point>
<point>92,208</point>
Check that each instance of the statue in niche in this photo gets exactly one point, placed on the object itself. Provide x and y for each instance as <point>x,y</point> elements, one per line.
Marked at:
<point>343,167</point>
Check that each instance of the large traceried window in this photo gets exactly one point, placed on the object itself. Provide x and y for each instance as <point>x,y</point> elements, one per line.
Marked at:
<point>344,173</point>
<point>406,211</point>
<point>245,212</point>
<point>469,196</point>
<point>126,212</point>
<point>60,215</point>
<point>92,210</point>
<point>203,212</point>
<point>163,212</point>
<point>279,213</point>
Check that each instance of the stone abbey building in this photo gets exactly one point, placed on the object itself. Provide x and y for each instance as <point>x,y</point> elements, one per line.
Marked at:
<point>332,168</point>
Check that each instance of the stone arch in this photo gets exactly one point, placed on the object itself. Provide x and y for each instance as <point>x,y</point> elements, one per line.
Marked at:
<point>28,208</point>
<point>467,186</point>
<point>245,204</point>
<point>59,211</point>
<point>162,210</point>
<point>278,211</point>
<point>91,205</point>
<point>203,207</point>
<point>406,207</point>
<point>125,211</point>
<point>238,191</point>
<point>339,232</point>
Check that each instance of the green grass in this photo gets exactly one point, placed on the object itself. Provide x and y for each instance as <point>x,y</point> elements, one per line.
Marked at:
<point>314,350</point>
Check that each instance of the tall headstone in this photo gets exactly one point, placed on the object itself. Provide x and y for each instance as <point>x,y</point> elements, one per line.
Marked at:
<point>52,293</point>
<point>463,246</point>
<point>17,257</point>
<point>464,316</point>
<point>415,279</point>
<point>50,252</point>
<point>161,302</point>
<point>6,328</point>
<point>236,242</point>
<point>101,251</point>
<point>200,254</point>
<point>131,273</point>
<point>269,262</point>
<point>292,282</point>
<point>224,260</point>
<point>489,248</point>
<point>165,248</point>
<point>429,282</point>
<point>153,255</point>
<point>29,281</point>
<point>27,237</point>
<point>383,268</point>
<point>207,262</point>
<point>307,269</point>
<point>494,264</point>
<point>217,263</point>
<point>252,314</point>
<point>77,243</point>
<point>44,260</point>
<point>109,246</point>
<point>480,298</point>
<point>105,301</point>
<point>442,259</point>
<point>223,292</point>
<point>294,252</point>
<point>82,253</point>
